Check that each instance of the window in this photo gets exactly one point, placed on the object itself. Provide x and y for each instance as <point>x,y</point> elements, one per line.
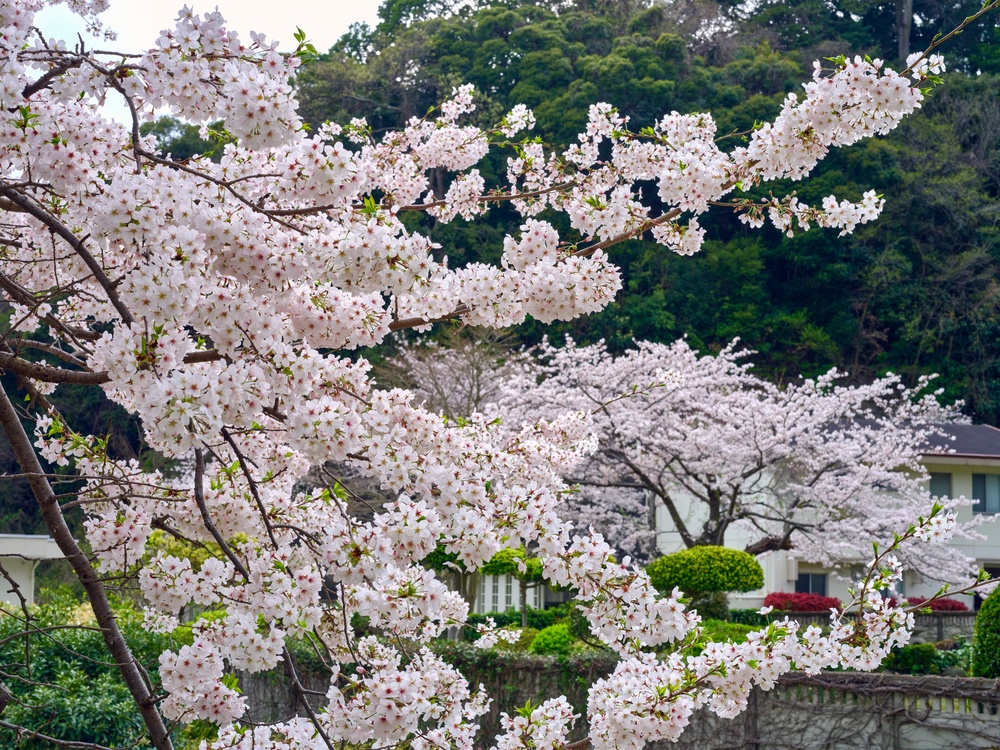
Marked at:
<point>940,484</point>
<point>811,583</point>
<point>986,493</point>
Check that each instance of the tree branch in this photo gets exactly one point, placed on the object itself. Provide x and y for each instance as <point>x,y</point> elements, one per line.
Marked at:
<point>92,584</point>
<point>29,207</point>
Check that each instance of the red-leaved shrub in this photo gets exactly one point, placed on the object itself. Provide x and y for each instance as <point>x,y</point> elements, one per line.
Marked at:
<point>940,605</point>
<point>784,601</point>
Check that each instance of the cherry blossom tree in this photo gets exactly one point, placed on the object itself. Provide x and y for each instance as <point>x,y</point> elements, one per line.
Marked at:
<point>470,371</point>
<point>456,377</point>
<point>217,303</point>
<point>821,468</point>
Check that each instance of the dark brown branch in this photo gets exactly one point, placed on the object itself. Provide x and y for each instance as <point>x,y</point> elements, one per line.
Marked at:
<point>252,483</point>
<point>22,296</point>
<point>300,690</point>
<point>199,498</point>
<point>47,77</point>
<point>769,544</point>
<point>30,207</point>
<point>55,351</point>
<point>52,515</point>
<point>404,323</point>
<point>73,745</point>
<point>49,374</point>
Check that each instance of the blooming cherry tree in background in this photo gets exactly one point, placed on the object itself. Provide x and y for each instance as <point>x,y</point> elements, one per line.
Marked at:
<point>456,377</point>
<point>215,302</point>
<point>470,372</point>
<point>814,466</point>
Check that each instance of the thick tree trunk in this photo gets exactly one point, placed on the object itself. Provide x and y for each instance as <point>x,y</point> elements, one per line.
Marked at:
<point>904,24</point>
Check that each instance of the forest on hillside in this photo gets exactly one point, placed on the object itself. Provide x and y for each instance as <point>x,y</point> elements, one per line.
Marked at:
<point>914,293</point>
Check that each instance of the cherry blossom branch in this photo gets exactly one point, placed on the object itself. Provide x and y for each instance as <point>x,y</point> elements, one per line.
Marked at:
<point>251,482</point>
<point>199,498</point>
<point>88,577</point>
<point>29,207</point>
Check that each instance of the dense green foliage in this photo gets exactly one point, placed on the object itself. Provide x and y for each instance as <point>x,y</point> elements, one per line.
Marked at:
<point>62,681</point>
<point>914,293</point>
<point>555,640</point>
<point>951,657</point>
<point>914,658</point>
<point>986,643</point>
<point>720,631</point>
<point>704,569</point>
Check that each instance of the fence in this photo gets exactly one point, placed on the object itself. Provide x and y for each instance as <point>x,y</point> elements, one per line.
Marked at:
<point>852,711</point>
<point>929,628</point>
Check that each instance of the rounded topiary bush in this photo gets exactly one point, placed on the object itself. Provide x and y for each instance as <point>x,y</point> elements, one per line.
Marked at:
<point>706,574</point>
<point>705,569</point>
<point>986,646</point>
<point>523,643</point>
<point>555,640</point>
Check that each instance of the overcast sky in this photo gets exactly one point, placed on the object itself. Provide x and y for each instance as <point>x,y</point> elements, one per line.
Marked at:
<point>139,22</point>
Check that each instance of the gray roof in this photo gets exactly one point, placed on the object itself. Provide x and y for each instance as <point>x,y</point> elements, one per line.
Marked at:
<point>979,440</point>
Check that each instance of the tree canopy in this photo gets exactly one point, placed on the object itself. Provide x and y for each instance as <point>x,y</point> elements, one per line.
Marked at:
<point>915,294</point>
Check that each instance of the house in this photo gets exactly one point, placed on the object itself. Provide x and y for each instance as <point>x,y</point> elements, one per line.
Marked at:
<point>970,468</point>
<point>19,556</point>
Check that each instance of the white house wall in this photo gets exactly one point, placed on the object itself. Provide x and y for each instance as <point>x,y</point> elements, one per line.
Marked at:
<point>502,593</point>
<point>23,574</point>
<point>781,568</point>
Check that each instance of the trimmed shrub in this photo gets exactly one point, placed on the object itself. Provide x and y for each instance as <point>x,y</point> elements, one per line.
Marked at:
<point>720,631</point>
<point>555,640</point>
<point>713,605</point>
<point>704,569</point>
<point>750,617</point>
<point>784,601</point>
<point>954,657</point>
<point>915,658</point>
<point>986,645</point>
<point>523,643</point>
<point>939,605</point>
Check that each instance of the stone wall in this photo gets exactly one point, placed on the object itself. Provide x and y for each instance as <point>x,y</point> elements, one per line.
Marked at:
<point>832,711</point>
<point>850,711</point>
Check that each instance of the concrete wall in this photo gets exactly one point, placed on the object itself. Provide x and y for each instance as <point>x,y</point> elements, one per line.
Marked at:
<point>845,711</point>
<point>831,711</point>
